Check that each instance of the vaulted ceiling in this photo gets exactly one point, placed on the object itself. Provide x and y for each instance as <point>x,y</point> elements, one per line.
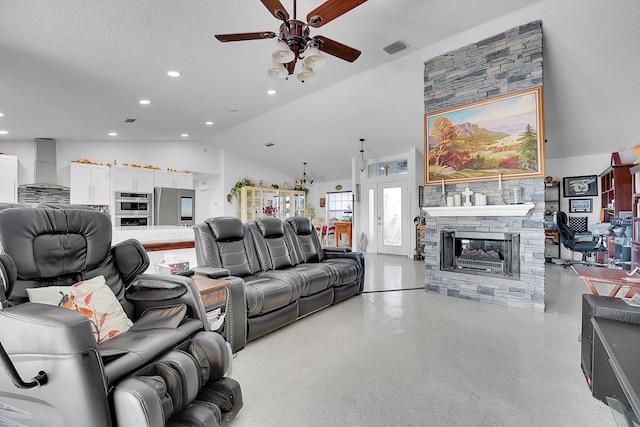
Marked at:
<point>74,70</point>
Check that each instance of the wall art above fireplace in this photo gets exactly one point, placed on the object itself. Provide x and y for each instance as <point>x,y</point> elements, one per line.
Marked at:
<point>494,139</point>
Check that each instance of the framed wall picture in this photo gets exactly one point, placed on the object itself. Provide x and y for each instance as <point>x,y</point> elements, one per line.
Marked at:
<point>580,186</point>
<point>498,138</point>
<point>323,202</point>
<point>580,206</point>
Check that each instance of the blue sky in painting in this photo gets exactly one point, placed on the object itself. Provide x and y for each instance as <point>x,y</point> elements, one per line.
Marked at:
<point>509,115</point>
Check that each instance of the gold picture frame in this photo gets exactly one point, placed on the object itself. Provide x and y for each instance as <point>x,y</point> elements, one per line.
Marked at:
<point>498,138</point>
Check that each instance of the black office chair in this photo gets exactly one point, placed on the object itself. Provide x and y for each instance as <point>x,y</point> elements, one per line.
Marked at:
<point>571,240</point>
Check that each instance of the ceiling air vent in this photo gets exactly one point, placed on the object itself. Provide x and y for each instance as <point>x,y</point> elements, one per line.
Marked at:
<point>269,144</point>
<point>129,120</point>
<point>396,46</point>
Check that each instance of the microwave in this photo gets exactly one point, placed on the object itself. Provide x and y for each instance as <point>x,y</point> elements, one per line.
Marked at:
<point>130,204</point>
<point>133,209</point>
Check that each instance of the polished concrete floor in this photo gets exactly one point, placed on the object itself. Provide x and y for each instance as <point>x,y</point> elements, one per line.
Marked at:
<point>397,356</point>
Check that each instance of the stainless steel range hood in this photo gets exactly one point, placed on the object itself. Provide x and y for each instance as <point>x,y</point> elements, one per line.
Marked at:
<point>45,168</point>
<point>45,189</point>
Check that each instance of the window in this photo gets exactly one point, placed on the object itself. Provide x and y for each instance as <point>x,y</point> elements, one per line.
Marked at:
<point>391,168</point>
<point>340,206</point>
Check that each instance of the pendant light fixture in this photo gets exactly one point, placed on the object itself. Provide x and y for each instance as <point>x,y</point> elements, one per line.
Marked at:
<point>303,181</point>
<point>362,162</point>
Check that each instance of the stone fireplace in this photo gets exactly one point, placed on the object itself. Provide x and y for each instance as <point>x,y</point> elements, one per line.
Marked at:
<point>501,64</point>
<point>488,254</point>
<point>516,278</point>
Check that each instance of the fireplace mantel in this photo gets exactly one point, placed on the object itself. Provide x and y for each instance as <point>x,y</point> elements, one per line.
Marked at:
<point>489,210</point>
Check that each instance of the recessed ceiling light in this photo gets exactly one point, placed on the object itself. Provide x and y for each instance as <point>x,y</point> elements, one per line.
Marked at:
<point>113,133</point>
<point>209,123</point>
<point>184,135</point>
<point>1,115</point>
<point>271,92</point>
<point>173,73</point>
<point>4,132</point>
<point>145,102</point>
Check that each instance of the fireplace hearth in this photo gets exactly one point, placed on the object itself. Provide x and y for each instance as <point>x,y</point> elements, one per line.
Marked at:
<point>495,254</point>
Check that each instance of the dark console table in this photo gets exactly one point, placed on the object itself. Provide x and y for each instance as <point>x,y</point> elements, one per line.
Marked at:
<point>616,365</point>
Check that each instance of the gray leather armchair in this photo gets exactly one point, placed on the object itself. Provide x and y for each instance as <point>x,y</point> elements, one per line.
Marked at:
<point>167,369</point>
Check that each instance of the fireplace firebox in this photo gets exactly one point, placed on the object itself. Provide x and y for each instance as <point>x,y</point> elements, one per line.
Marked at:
<point>496,254</point>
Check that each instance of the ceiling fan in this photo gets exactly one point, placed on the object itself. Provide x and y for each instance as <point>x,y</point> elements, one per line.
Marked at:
<point>294,39</point>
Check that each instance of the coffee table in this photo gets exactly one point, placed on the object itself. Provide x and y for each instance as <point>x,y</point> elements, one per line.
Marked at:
<point>602,275</point>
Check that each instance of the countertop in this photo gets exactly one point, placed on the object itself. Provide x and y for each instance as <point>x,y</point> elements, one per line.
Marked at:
<point>153,234</point>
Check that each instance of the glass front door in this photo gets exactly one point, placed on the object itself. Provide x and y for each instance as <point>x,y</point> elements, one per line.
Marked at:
<point>387,213</point>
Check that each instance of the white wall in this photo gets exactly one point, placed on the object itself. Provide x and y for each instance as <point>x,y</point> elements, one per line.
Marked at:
<point>26,155</point>
<point>320,189</point>
<point>578,166</point>
<point>236,168</point>
<point>180,155</point>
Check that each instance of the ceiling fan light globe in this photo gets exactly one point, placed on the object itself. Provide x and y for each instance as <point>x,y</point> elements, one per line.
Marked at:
<point>282,53</point>
<point>314,58</point>
<point>306,75</point>
<point>277,71</point>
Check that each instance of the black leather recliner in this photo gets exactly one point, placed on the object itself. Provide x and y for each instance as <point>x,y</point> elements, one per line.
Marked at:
<point>284,269</point>
<point>168,369</point>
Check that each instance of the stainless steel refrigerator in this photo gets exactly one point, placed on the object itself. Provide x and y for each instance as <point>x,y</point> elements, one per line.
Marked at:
<point>174,206</point>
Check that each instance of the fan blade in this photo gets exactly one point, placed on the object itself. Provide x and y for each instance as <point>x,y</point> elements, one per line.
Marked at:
<point>337,49</point>
<point>276,8</point>
<point>330,10</point>
<point>245,36</point>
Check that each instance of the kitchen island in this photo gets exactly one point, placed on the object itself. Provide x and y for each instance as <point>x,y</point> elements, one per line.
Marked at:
<point>160,241</point>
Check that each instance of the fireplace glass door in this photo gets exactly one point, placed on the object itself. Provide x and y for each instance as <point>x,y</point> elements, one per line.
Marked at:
<point>481,253</point>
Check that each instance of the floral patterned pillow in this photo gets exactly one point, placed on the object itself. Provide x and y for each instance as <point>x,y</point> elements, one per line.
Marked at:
<point>94,299</point>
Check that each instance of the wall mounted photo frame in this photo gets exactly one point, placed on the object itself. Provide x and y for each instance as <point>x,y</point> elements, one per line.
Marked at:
<point>580,186</point>
<point>580,206</point>
<point>498,138</point>
<point>323,202</point>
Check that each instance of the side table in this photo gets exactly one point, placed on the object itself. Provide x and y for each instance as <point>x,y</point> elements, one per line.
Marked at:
<point>215,294</point>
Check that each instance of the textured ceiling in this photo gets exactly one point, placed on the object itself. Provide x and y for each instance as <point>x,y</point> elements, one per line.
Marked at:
<point>75,69</point>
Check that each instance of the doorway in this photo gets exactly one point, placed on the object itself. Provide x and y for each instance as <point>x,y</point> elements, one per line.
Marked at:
<point>387,213</point>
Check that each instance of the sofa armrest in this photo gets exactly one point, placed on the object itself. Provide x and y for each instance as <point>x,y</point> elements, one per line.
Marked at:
<point>33,328</point>
<point>154,290</point>
<point>211,272</point>
<point>352,255</point>
<point>236,318</point>
<point>603,307</point>
<point>334,249</point>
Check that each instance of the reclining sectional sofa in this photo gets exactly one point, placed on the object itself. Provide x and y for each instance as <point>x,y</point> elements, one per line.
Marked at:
<point>286,273</point>
<point>72,359</point>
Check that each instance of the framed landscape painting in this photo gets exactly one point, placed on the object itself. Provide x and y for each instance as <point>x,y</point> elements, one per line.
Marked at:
<point>499,138</point>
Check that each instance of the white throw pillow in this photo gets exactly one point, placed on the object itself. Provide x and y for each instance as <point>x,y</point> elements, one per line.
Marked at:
<point>94,299</point>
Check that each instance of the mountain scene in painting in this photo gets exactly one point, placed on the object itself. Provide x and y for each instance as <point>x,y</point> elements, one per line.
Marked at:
<point>484,140</point>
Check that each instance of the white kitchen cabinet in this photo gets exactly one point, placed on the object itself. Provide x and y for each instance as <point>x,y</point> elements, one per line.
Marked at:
<point>89,184</point>
<point>127,178</point>
<point>8,178</point>
<point>172,179</point>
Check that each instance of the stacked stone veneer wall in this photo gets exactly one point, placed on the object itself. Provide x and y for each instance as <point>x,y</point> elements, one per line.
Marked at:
<point>505,63</point>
